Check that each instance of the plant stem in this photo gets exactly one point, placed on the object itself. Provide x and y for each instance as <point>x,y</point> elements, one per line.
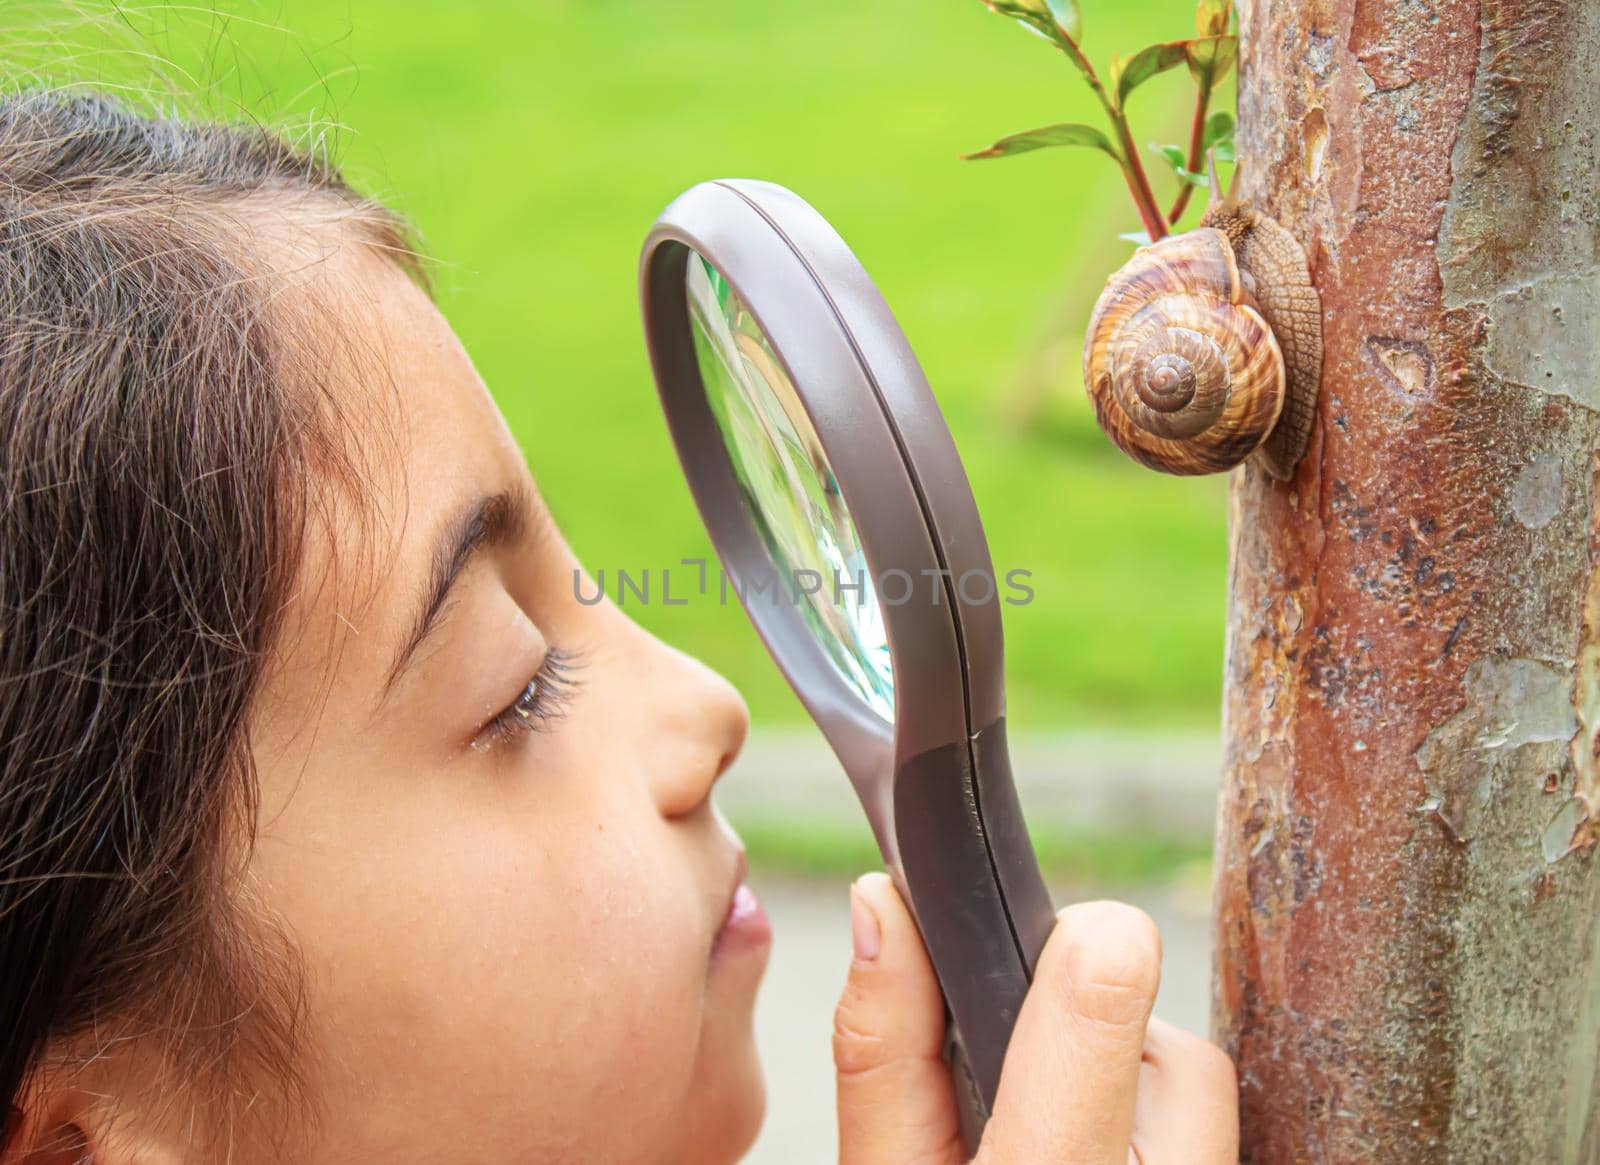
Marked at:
<point>1138,182</point>
<point>1196,138</point>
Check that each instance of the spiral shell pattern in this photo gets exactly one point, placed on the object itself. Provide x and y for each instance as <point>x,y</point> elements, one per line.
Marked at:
<point>1185,376</point>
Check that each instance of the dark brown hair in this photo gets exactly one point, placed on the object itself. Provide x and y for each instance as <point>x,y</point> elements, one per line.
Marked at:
<point>156,465</point>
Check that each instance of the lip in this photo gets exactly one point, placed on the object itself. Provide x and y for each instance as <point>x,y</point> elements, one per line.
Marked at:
<point>745,925</point>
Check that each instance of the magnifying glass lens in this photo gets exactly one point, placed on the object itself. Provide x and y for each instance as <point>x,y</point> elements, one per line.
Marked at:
<point>788,488</point>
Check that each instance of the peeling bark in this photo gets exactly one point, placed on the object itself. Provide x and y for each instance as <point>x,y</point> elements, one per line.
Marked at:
<point>1407,892</point>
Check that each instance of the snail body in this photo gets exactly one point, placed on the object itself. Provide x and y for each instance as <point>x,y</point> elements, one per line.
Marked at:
<point>1205,348</point>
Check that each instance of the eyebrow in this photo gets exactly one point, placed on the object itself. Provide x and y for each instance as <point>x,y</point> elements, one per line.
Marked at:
<point>491,521</point>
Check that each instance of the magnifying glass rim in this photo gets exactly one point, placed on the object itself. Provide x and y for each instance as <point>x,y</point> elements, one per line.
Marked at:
<point>946,653</point>
<point>863,740</point>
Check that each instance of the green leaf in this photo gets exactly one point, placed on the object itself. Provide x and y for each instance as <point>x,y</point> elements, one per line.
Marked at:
<point>1173,154</point>
<point>1210,58</point>
<point>1223,150</point>
<point>1175,158</point>
<point>1028,15</point>
<point>1065,134</point>
<point>1211,17</point>
<point>1128,73</point>
<point>1219,128</point>
<point>1052,18</point>
<point>1057,21</point>
<point>1068,19</point>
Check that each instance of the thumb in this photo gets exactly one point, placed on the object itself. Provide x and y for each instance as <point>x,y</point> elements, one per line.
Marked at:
<point>1070,1082</point>
<point>896,1101</point>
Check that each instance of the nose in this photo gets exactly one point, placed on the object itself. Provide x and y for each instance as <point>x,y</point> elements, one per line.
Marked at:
<point>697,723</point>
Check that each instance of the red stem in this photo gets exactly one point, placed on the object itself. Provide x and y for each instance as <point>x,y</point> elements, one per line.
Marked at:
<point>1138,181</point>
<point>1196,139</point>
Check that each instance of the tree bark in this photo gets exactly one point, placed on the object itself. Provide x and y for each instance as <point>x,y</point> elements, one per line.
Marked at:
<point>1407,891</point>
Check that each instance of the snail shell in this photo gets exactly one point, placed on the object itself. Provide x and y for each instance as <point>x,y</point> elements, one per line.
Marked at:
<point>1206,348</point>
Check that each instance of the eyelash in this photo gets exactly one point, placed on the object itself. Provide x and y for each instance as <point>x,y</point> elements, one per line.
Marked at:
<point>542,701</point>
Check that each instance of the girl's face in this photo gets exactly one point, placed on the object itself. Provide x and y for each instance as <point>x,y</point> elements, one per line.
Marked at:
<point>485,810</point>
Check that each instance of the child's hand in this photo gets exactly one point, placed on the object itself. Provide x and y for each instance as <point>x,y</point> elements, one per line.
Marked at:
<point>1089,1076</point>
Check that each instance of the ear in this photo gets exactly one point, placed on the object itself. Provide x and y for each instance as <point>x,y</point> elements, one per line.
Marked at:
<point>61,1125</point>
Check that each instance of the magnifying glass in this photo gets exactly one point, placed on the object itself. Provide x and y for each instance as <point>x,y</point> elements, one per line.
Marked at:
<point>836,500</point>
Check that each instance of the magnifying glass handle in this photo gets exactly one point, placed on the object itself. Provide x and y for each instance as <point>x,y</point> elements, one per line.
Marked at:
<point>971,1113</point>
<point>972,1109</point>
<point>967,868</point>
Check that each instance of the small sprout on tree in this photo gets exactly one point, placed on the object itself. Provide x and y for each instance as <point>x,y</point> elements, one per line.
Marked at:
<point>1209,56</point>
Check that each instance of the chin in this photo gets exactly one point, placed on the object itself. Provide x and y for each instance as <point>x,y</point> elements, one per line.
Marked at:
<point>728,1103</point>
<point>744,1122</point>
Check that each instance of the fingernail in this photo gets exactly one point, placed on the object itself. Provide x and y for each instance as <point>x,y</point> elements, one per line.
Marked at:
<point>865,936</point>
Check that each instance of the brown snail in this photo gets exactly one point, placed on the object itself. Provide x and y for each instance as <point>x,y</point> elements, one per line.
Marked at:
<point>1206,346</point>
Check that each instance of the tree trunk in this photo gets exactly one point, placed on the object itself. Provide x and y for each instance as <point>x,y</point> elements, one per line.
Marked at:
<point>1407,894</point>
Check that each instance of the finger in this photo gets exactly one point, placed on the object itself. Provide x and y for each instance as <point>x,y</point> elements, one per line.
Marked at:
<point>1070,1083</point>
<point>1188,1107</point>
<point>896,1102</point>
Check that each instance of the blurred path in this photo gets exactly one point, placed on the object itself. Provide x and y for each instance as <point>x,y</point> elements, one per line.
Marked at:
<point>794,1014</point>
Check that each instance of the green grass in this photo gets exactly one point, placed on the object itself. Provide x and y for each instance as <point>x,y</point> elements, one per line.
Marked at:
<point>534,142</point>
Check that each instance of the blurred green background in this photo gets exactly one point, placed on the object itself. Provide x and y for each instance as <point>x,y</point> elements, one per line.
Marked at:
<point>533,143</point>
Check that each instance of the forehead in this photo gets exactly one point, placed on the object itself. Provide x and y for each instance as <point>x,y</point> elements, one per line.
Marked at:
<point>412,435</point>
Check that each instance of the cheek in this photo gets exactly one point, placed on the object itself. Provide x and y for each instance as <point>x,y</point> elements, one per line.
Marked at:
<point>624,928</point>
<point>520,968</point>
<point>590,978</point>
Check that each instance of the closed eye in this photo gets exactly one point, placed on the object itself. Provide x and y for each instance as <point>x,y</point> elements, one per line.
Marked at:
<point>541,702</point>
